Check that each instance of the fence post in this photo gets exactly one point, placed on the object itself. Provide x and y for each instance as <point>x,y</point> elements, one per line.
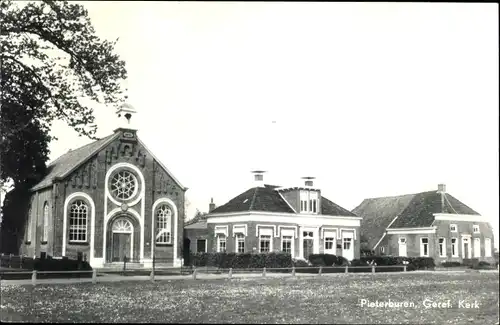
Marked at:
<point>293,271</point>
<point>230,272</point>
<point>124,264</point>
<point>94,276</point>
<point>33,278</point>
<point>373,268</point>
<point>21,262</point>
<point>346,269</point>
<point>320,269</point>
<point>10,260</point>
<point>194,273</point>
<point>264,271</point>
<point>404,268</point>
<point>152,275</point>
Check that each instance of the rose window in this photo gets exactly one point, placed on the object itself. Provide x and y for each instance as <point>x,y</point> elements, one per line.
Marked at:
<point>124,185</point>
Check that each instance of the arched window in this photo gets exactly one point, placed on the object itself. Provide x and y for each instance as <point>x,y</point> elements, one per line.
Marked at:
<point>45,235</point>
<point>78,216</point>
<point>163,224</point>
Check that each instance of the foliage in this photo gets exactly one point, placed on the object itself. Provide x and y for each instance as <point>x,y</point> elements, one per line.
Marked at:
<point>52,62</point>
<point>245,260</point>
<point>327,260</point>
<point>418,263</point>
<point>51,59</point>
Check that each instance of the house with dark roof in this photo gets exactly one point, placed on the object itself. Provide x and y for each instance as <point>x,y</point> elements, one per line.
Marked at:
<point>432,224</point>
<point>107,201</point>
<point>269,218</point>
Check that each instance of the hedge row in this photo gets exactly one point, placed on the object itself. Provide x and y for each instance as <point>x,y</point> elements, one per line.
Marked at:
<point>413,263</point>
<point>327,260</point>
<point>239,261</point>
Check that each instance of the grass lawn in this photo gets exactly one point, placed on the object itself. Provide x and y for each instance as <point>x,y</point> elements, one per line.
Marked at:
<point>327,299</point>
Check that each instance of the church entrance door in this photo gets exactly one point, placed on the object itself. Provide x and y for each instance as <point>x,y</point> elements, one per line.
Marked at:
<point>122,240</point>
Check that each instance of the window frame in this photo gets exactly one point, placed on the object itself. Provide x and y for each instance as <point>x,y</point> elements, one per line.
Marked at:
<point>166,229</point>
<point>309,201</point>
<point>424,247</point>
<point>442,247</point>
<point>240,238</point>
<point>268,238</point>
<point>453,226</point>
<point>487,247</point>
<point>287,239</point>
<point>454,247</point>
<point>221,238</point>
<point>45,225</point>
<point>78,228</point>
<point>347,240</point>
<point>476,240</point>
<point>474,228</point>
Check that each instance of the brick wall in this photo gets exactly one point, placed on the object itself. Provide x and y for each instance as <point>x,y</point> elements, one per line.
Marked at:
<point>251,240</point>
<point>90,179</point>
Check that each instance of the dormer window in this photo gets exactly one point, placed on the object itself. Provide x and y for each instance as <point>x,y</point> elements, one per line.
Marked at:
<point>475,229</point>
<point>309,202</point>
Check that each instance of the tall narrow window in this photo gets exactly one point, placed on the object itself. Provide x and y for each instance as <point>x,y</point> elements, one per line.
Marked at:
<point>347,243</point>
<point>78,217</point>
<point>477,247</point>
<point>329,243</point>
<point>309,201</point>
<point>424,246</point>
<point>487,247</point>
<point>29,228</point>
<point>265,243</point>
<point>453,228</point>
<point>45,235</point>
<point>442,247</point>
<point>454,247</point>
<point>163,224</point>
<point>240,243</point>
<point>221,243</point>
<point>286,244</point>
<point>475,229</point>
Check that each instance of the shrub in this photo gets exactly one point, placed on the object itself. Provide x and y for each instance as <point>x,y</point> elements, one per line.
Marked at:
<point>49,264</point>
<point>301,263</point>
<point>451,264</point>
<point>242,261</point>
<point>359,262</point>
<point>327,260</point>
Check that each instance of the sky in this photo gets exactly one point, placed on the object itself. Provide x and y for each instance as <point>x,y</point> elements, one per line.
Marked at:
<point>372,99</point>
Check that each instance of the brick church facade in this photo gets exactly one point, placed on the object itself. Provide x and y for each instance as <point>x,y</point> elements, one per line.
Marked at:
<point>109,200</point>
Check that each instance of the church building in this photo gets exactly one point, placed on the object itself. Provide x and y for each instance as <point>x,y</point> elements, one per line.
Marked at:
<point>108,201</point>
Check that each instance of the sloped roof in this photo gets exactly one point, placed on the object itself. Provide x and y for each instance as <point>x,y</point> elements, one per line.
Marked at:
<point>332,209</point>
<point>377,214</point>
<point>197,225</point>
<point>419,213</point>
<point>256,199</point>
<point>412,211</point>
<point>72,159</point>
<point>267,199</point>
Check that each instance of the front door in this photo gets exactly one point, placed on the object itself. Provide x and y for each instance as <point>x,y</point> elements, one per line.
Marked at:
<point>402,246</point>
<point>466,250</point>
<point>308,247</point>
<point>121,247</point>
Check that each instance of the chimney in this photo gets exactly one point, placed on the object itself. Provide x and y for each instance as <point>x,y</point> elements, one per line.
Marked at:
<point>308,181</point>
<point>258,178</point>
<point>442,191</point>
<point>211,206</point>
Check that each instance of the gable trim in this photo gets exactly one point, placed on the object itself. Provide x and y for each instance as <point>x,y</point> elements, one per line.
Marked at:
<point>380,240</point>
<point>460,217</point>
<point>281,214</point>
<point>78,165</point>
<point>291,207</point>
<point>162,166</point>
<point>420,230</point>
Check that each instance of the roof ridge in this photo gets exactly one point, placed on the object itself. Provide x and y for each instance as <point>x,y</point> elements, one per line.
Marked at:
<point>253,198</point>
<point>79,148</point>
